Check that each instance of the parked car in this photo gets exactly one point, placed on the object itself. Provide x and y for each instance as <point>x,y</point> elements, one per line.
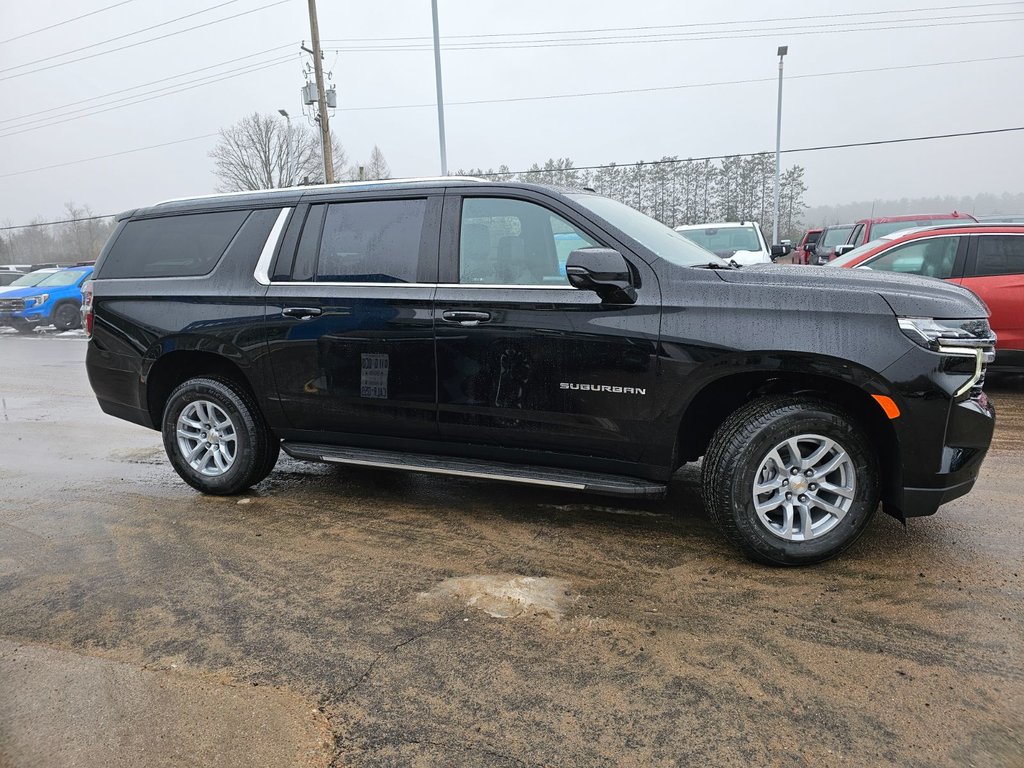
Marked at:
<point>830,237</point>
<point>998,218</point>
<point>738,241</point>
<point>986,258</point>
<point>56,300</point>
<point>28,280</point>
<point>8,276</point>
<point>806,248</point>
<point>426,325</point>
<point>866,230</point>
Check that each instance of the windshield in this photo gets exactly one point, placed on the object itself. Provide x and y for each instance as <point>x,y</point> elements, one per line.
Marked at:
<point>856,253</point>
<point>653,235</point>
<point>32,278</point>
<point>888,227</point>
<point>836,235</point>
<point>724,241</point>
<point>64,277</point>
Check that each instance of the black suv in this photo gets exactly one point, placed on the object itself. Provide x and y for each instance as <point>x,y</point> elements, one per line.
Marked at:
<point>527,334</point>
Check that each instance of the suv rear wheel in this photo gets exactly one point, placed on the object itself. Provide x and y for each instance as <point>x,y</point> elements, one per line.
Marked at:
<point>216,438</point>
<point>790,480</point>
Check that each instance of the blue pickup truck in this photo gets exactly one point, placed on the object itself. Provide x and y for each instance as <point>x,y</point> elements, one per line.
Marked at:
<point>56,300</point>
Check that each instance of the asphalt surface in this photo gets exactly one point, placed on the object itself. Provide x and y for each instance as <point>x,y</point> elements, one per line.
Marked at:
<point>340,616</point>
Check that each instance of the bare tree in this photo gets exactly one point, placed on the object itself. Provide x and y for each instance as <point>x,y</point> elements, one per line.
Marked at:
<point>265,152</point>
<point>377,167</point>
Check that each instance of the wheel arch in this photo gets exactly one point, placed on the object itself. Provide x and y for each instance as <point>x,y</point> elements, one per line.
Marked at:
<point>836,381</point>
<point>174,361</point>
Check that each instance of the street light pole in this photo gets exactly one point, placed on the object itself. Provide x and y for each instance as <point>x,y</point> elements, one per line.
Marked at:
<point>291,147</point>
<point>783,50</point>
<point>440,94</point>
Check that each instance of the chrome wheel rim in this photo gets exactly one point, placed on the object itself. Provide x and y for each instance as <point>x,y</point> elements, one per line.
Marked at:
<point>207,439</point>
<point>804,487</point>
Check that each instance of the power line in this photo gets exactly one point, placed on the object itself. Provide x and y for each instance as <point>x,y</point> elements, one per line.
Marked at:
<point>879,142</point>
<point>654,89</point>
<point>682,37</point>
<point>43,122</point>
<point>66,21</point>
<point>64,106</point>
<point>104,157</point>
<point>53,223</point>
<point>143,42</point>
<point>794,150</point>
<point>681,26</point>
<point>120,37</point>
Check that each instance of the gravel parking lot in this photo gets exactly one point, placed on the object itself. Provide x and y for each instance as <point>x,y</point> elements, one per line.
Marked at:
<point>341,616</point>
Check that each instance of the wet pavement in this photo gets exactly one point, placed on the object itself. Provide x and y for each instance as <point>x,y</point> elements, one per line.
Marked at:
<point>367,618</point>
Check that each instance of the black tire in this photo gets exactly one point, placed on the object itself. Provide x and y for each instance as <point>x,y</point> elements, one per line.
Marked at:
<point>66,317</point>
<point>256,448</point>
<point>733,460</point>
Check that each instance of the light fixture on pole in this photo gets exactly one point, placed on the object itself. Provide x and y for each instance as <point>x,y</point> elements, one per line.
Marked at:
<point>284,113</point>
<point>440,94</point>
<point>783,50</point>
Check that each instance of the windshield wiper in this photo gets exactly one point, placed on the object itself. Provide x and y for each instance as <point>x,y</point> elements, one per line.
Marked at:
<point>730,264</point>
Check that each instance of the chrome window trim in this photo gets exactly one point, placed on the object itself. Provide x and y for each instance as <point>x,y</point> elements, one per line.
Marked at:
<point>262,271</point>
<point>424,285</point>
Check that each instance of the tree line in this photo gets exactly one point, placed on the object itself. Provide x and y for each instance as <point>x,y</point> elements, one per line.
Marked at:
<point>67,243</point>
<point>679,191</point>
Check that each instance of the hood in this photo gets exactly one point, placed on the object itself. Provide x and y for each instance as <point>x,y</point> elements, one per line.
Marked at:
<point>23,293</point>
<point>746,258</point>
<point>907,295</point>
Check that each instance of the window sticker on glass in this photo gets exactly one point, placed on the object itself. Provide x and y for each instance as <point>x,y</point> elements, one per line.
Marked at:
<point>373,381</point>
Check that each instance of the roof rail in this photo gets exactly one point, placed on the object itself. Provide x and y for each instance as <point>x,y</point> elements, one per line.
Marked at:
<point>319,187</point>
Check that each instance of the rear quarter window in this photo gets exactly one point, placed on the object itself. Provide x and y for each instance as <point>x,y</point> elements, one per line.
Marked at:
<point>172,246</point>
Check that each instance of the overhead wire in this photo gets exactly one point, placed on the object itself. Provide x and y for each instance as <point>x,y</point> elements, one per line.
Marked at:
<point>66,21</point>
<point>142,42</point>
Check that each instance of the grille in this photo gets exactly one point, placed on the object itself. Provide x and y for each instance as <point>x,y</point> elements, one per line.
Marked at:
<point>12,305</point>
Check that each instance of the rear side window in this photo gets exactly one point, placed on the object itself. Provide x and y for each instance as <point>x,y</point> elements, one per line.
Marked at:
<point>374,241</point>
<point>1000,255</point>
<point>172,246</point>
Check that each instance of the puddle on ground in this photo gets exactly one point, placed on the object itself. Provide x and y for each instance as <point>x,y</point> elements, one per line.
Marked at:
<point>505,597</point>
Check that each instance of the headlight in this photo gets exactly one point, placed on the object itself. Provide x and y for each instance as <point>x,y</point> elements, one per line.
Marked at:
<point>954,337</point>
<point>37,300</point>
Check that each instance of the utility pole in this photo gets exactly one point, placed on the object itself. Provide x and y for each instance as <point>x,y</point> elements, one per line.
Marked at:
<point>783,50</point>
<point>318,68</point>
<point>440,94</point>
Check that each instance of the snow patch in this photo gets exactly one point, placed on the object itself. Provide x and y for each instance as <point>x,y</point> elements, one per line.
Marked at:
<point>505,597</point>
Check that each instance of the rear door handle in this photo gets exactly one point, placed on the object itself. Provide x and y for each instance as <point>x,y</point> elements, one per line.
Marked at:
<point>302,313</point>
<point>465,317</point>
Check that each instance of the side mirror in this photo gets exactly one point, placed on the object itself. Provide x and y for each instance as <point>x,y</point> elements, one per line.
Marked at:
<point>844,249</point>
<point>780,250</point>
<point>603,271</point>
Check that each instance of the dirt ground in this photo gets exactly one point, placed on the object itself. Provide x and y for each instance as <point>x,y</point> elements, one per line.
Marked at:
<point>346,617</point>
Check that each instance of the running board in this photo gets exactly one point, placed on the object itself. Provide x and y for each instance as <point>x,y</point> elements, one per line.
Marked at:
<point>589,482</point>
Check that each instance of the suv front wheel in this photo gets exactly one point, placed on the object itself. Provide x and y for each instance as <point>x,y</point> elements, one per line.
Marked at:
<point>790,480</point>
<point>216,438</point>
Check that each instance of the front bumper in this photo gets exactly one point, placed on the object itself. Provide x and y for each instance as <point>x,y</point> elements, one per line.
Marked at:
<point>943,436</point>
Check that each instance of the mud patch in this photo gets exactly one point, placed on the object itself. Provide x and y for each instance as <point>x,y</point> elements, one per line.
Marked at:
<point>152,455</point>
<point>507,597</point>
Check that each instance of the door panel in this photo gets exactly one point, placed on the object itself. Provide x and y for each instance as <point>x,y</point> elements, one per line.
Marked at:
<point>351,343</point>
<point>995,272</point>
<point>540,366</point>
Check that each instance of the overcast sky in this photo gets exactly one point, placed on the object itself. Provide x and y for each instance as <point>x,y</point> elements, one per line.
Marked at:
<point>627,127</point>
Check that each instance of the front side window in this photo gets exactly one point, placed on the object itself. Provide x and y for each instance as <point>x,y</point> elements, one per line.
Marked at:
<point>376,241</point>
<point>513,242</point>
<point>1000,255</point>
<point>930,257</point>
<point>858,235</point>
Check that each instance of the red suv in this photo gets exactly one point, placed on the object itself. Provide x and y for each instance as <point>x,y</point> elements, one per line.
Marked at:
<point>866,230</point>
<point>987,258</point>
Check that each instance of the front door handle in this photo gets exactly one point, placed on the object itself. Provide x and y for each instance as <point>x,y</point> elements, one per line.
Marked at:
<point>465,317</point>
<point>302,313</point>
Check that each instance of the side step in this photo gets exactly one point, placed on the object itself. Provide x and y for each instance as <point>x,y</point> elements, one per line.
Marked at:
<point>589,482</point>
